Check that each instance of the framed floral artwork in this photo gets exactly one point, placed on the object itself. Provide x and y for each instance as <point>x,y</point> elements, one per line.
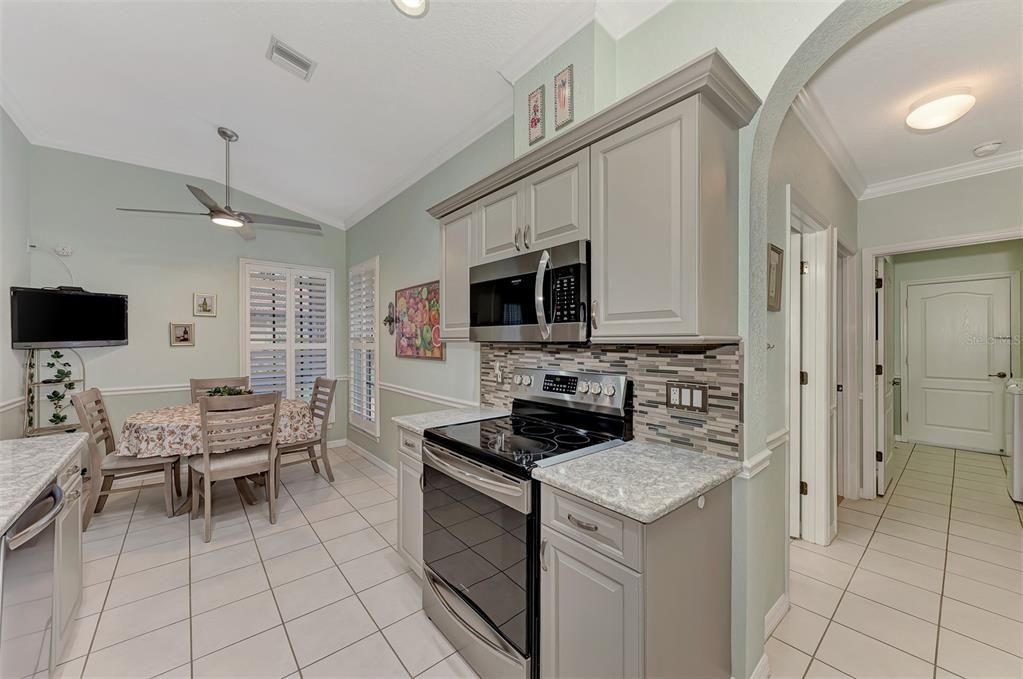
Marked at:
<point>417,322</point>
<point>564,109</point>
<point>535,106</point>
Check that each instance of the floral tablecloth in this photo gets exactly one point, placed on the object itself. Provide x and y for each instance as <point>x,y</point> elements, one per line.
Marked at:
<point>177,430</point>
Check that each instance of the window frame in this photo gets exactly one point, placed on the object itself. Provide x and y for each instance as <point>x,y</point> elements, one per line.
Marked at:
<point>357,420</point>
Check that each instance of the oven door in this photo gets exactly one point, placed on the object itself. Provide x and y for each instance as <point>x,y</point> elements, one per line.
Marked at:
<point>534,297</point>
<point>477,531</point>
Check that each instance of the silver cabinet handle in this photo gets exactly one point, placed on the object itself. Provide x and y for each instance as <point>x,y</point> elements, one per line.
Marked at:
<point>525,237</point>
<point>1000,375</point>
<point>422,482</point>
<point>593,314</point>
<point>585,525</point>
<point>541,314</point>
<point>18,539</point>
<point>543,554</point>
<point>518,234</point>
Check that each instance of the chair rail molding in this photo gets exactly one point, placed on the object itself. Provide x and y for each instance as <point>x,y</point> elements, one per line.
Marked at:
<point>762,460</point>
<point>12,404</point>
<point>427,396</point>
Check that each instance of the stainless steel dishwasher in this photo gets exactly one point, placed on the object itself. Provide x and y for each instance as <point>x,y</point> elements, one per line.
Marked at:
<point>27,588</point>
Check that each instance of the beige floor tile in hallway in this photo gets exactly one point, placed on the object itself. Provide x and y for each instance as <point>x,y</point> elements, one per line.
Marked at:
<point>321,592</point>
<point>926,581</point>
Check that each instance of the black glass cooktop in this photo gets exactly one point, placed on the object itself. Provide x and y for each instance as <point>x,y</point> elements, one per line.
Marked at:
<point>518,442</point>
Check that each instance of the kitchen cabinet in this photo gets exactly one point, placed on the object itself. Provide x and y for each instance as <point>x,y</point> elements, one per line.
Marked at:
<point>410,500</point>
<point>619,598</point>
<point>500,218</point>
<point>558,203</point>
<point>67,557</point>
<point>456,232</point>
<point>664,228</point>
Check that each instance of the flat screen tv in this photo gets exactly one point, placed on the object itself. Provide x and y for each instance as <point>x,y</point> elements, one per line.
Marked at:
<point>67,317</point>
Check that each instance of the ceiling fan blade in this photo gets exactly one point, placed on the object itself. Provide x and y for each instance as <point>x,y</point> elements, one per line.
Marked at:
<point>247,232</point>
<point>163,212</point>
<point>204,198</point>
<point>270,220</point>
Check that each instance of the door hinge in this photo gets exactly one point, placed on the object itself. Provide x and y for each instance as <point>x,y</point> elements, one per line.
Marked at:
<point>804,377</point>
<point>804,268</point>
<point>878,283</point>
<point>880,456</point>
<point>878,369</point>
<point>803,488</point>
<point>841,388</point>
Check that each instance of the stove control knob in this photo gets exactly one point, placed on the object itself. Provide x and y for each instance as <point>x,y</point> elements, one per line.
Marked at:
<point>584,387</point>
<point>595,388</point>
<point>527,380</point>
<point>517,379</point>
<point>609,390</point>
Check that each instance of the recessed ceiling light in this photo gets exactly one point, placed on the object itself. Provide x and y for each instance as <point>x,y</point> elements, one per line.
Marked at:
<point>938,110</point>
<point>225,219</point>
<point>412,8</point>
<point>987,148</point>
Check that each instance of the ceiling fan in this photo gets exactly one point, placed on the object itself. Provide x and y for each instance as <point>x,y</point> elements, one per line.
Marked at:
<point>226,215</point>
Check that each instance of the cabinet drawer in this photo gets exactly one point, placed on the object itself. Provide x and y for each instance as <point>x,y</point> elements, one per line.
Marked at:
<point>411,444</point>
<point>613,535</point>
<point>68,474</point>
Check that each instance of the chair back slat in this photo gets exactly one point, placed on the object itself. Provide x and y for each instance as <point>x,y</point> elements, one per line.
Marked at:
<point>93,418</point>
<point>199,386</point>
<point>321,401</point>
<point>239,422</point>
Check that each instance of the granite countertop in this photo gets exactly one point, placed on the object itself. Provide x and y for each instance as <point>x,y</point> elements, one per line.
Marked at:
<point>638,479</point>
<point>28,466</point>
<point>441,418</point>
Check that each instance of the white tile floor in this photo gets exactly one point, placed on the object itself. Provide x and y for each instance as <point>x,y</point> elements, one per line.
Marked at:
<point>322,593</point>
<point>924,582</point>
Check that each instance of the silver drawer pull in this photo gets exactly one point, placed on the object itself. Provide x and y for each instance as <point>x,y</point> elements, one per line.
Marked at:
<point>543,554</point>
<point>585,525</point>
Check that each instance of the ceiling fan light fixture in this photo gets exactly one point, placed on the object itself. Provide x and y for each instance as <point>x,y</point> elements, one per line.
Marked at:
<point>412,8</point>
<point>225,219</point>
<point>940,109</point>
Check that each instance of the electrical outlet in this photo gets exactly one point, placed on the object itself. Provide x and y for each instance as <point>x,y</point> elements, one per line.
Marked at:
<point>691,397</point>
<point>674,397</point>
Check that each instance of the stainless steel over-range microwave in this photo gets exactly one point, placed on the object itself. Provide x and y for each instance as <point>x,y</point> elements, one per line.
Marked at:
<point>536,296</point>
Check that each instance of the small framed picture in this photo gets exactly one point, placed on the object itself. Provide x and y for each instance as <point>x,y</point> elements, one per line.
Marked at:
<point>182,334</point>
<point>204,304</point>
<point>564,110</point>
<point>536,114</point>
<point>775,274</point>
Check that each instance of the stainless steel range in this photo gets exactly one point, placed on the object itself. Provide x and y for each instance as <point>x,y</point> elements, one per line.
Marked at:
<point>481,510</point>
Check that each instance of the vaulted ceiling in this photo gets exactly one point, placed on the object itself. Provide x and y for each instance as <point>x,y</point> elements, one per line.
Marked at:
<point>390,99</point>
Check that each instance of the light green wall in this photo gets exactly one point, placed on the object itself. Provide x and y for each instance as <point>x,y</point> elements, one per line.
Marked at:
<point>15,157</point>
<point>985,204</point>
<point>159,261</point>
<point>591,52</point>
<point>407,241</point>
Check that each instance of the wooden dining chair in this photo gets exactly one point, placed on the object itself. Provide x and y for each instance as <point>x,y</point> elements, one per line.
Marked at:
<point>199,387</point>
<point>105,465</point>
<point>320,403</point>
<point>239,438</point>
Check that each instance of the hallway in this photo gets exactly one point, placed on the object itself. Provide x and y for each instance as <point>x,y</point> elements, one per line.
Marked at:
<point>924,582</point>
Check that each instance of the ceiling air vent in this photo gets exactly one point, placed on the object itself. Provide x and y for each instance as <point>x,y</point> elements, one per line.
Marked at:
<point>289,59</point>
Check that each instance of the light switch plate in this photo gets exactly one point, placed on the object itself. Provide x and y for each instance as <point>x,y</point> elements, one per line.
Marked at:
<point>690,397</point>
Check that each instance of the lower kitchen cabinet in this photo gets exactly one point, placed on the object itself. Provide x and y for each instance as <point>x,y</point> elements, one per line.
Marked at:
<point>67,573</point>
<point>410,512</point>
<point>619,598</point>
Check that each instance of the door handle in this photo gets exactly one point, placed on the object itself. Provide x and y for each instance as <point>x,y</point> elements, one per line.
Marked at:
<point>525,237</point>
<point>593,314</point>
<point>56,493</point>
<point>541,314</point>
<point>515,238</point>
<point>1000,375</point>
<point>543,554</point>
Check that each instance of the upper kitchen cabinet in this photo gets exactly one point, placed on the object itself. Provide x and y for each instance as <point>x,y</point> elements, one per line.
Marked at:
<point>500,223</point>
<point>456,233</point>
<point>664,248</point>
<point>558,203</point>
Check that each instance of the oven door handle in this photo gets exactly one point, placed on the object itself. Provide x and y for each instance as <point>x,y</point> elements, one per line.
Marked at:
<point>541,315</point>
<point>444,594</point>
<point>448,464</point>
<point>20,538</point>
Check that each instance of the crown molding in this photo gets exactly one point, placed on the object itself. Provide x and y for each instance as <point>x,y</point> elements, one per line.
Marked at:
<point>809,112</point>
<point>972,168</point>
<point>539,47</point>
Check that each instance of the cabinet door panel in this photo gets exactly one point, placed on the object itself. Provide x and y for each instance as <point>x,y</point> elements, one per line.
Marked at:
<point>410,512</point>
<point>68,566</point>
<point>456,253</point>
<point>591,613</point>
<point>645,239</point>
<point>558,203</point>
<point>500,224</point>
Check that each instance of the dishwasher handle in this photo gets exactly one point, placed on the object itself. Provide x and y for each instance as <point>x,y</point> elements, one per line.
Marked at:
<point>20,538</point>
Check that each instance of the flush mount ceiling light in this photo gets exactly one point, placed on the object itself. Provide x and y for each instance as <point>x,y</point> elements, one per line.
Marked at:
<point>413,8</point>
<point>224,219</point>
<point>940,109</point>
<point>987,148</point>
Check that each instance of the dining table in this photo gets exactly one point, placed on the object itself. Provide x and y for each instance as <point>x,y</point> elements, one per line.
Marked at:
<point>177,430</point>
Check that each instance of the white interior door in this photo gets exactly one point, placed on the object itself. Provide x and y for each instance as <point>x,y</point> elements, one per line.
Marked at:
<point>795,319</point>
<point>884,355</point>
<point>956,368</point>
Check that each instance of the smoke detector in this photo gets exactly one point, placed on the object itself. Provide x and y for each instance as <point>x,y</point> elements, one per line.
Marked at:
<point>290,59</point>
<point>987,148</point>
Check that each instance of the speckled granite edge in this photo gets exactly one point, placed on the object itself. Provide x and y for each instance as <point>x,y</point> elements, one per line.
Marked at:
<point>641,480</point>
<point>420,422</point>
<point>27,466</point>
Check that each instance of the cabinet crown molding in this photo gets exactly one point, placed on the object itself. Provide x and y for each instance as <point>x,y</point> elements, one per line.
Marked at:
<point>709,75</point>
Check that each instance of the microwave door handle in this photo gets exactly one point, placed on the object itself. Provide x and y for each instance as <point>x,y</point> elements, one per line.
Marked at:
<point>541,315</point>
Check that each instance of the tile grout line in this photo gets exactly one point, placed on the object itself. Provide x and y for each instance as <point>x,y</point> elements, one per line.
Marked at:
<point>944,574</point>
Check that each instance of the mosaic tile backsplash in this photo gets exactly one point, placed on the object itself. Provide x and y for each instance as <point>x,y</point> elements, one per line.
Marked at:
<point>719,367</point>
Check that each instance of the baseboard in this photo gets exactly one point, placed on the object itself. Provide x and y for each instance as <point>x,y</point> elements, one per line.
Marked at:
<point>373,459</point>
<point>775,614</point>
<point>762,670</point>
<point>337,443</point>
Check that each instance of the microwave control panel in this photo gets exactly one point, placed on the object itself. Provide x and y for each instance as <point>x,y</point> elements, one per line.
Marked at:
<point>566,296</point>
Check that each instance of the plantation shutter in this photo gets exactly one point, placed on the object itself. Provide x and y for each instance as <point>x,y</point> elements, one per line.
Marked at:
<point>286,327</point>
<point>362,346</point>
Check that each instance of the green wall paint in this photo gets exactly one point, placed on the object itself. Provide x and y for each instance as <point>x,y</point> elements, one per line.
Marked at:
<point>15,162</point>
